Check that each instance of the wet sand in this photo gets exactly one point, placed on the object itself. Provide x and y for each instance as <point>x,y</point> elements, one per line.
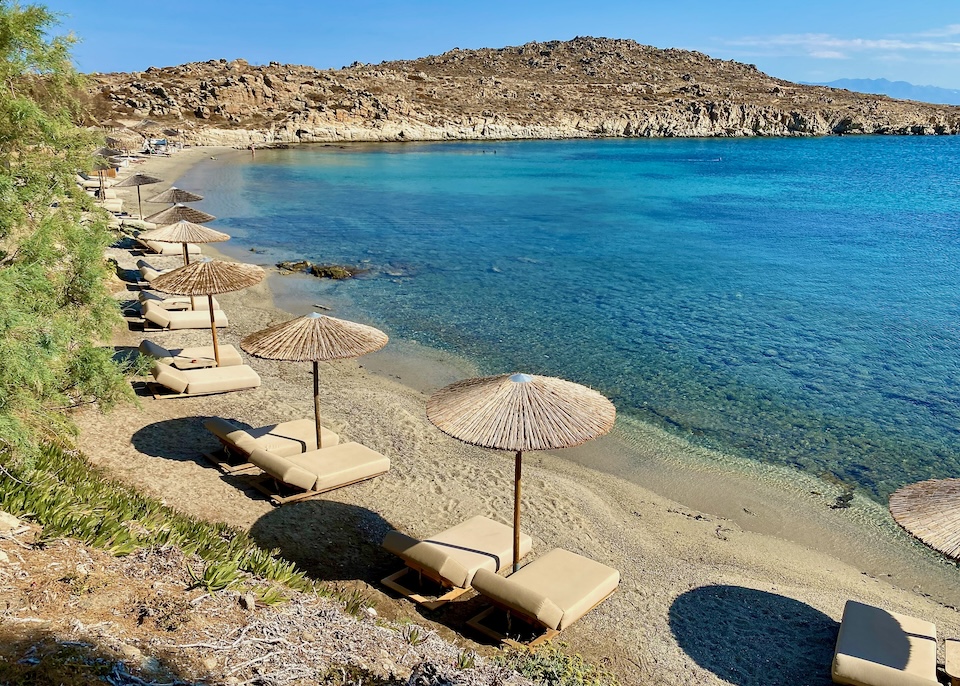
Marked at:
<point>732,572</point>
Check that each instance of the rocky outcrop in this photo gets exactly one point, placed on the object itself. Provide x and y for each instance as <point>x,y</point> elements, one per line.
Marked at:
<point>586,87</point>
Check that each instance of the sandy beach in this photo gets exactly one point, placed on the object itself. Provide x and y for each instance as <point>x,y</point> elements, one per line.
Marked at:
<point>731,573</point>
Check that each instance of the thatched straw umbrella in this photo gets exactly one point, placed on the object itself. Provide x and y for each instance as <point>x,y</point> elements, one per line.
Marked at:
<point>138,180</point>
<point>176,195</point>
<point>930,511</point>
<point>209,277</point>
<point>519,412</point>
<point>178,212</point>
<point>314,338</point>
<point>184,232</point>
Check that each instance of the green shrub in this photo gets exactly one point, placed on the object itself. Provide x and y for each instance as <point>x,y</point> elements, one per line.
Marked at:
<point>67,496</point>
<point>550,664</point>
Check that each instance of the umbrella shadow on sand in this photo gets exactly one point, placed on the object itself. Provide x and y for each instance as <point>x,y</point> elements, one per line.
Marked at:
<point>182,439</point>
<point>754,638</point>
<point>329,540</point>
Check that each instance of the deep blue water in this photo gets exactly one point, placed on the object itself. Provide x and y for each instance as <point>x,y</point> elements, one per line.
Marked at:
<point>793,301</point>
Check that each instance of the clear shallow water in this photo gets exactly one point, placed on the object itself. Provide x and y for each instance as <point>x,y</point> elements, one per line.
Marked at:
<point>790,301</point>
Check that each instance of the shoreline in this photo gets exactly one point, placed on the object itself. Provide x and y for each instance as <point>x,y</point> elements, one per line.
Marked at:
<point>661,510</point>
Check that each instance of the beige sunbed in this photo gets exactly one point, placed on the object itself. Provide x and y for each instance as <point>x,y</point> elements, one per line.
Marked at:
<point>178,302</point>
<point>163,248</point>
<point>284,439</point>
<point>453,557</point>
<point>550,593</point>
<point>316,471</point>
<point>148,271</point>
<point>202,381</point>
<point>155,314</point>
<point>191,358</point>
<point>880,648</point>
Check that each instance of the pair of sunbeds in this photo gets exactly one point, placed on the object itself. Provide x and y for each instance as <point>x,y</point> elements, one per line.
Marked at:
<point>193,371</point>
<point>549,594</point>
<point>292,467</point>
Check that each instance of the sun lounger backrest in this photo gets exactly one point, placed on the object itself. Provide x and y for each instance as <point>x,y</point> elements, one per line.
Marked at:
<point>516,597</point>
<point>428,556</point>
<point>174,379</point>
<point>282,469</point>
<point>151,349</point>
<point>231,433</point>
<point>156,314</point>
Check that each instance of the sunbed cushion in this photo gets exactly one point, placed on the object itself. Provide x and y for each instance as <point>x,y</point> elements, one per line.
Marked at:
<point>191,358</point>
<point>513,595</point>
<point>341,464</point>
<point>164,248</point>
<point>207,380</point>
<point>571,582</point>
<point>168,319</point>
<point>324,469</point>
<point>282,469</point>
<point>286,438</point>
<point>876,647</point>
<point>423,555</point>
<point>174,379</point>
<point>179,302</point>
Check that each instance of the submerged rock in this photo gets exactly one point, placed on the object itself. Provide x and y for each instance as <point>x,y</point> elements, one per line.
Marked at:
<point>323,271</point>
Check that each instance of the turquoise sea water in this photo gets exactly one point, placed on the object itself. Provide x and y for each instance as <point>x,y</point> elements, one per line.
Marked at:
<point>792,301</point>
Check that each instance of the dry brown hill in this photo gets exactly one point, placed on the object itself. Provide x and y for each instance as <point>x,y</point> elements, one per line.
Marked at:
<point>584,87</point>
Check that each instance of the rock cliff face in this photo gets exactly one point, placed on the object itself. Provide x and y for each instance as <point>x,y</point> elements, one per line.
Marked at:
<point>586,87</point>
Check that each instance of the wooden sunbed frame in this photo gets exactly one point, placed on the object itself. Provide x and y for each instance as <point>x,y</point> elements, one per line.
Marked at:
<point>221,459</point>
<point>393,582</point>
<point>154,388</point>
<point>548,634</point>
<point>260,482</point>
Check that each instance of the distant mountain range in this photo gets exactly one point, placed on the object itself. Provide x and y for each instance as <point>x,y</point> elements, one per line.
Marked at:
<point>899,89</point>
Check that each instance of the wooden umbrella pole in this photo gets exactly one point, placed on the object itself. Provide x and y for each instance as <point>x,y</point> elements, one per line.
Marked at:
<point>213,328</point>
<point>186,261</point>
<point>316,399</point>
<point>139,205</point>
<point>516,510</point>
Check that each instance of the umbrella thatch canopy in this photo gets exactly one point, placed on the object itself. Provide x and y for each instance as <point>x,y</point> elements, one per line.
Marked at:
<point>107,152</point>
<point>184,232</point>
<point>176,195</point>
<point>178,212</point>
<point>138,180</point>
<point>209,277</point>
<point>930,510</point>
<point>520,412</point>
<point>314,338</point>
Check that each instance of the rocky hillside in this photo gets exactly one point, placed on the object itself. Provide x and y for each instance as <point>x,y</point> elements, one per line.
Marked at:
<point>585,87</point>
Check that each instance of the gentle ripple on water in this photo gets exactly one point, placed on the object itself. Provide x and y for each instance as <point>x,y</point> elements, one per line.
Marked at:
<point>791,301</point>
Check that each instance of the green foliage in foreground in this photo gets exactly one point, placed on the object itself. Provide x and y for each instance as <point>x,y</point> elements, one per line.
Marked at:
<point>54,306</point>
<point>67,496</point>
<point>550,664</point>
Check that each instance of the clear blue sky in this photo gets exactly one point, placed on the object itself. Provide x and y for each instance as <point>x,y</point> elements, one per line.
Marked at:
<point>816,40</point>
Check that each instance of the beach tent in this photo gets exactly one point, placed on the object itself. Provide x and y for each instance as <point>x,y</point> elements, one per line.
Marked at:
<point>519,412</point>
<point>314,338</point>
<point>209,277</point>
<point>930,511</point>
